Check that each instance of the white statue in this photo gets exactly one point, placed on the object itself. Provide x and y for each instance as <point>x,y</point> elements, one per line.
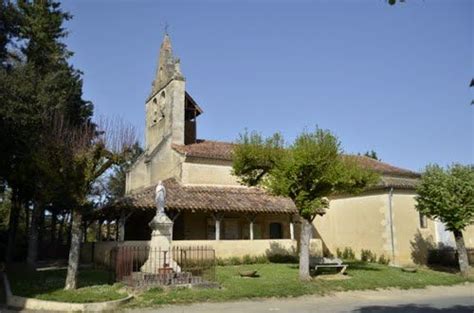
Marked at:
<point>160,195</point>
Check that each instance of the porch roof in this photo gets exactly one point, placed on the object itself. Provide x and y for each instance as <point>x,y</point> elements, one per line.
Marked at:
<point>209,199</point>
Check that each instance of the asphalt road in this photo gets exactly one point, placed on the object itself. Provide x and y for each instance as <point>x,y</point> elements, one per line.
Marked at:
<point>456,299</point>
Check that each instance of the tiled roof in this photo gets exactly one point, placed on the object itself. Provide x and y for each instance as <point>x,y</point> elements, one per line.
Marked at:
<point>207,149</point>
<point>223,151</point>
<point>210,198</point>
<point>397,182</point>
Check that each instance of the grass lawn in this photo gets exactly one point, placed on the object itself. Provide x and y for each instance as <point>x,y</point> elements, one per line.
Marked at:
<point>48,285</point>
<point>281,280</point>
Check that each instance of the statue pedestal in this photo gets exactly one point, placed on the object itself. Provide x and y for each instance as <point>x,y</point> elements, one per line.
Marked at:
<point>160,255</point>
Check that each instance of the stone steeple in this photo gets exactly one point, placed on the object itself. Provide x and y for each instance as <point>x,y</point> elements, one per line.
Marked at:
<point>168,67</point>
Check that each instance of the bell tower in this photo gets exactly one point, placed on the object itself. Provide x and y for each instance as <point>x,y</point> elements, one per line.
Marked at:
<point>165,106</point>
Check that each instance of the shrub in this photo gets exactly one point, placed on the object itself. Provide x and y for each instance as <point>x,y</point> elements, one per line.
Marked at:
<point>348,254</point>
<point>339,253</point>
<point>283,258</point>
<point>247,259</point>
<point>383,260</point>
<point>368,256</point>
<point>235,260</point>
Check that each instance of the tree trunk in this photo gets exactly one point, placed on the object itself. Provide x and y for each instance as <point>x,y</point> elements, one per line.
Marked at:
<point>27,219</point>
<point>33,235</point>
<point>41,226</point>
<point>108,231</point>
<point>74,250</point>
<point>462,253</point>
<point>12,227</point>
<point>59,238</point>
<point>305,237</point>
<point>99,231</point>
<point>69,229</point>
<point>54,221</point>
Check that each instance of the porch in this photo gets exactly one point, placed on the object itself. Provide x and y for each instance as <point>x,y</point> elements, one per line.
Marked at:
<point>214,226</point>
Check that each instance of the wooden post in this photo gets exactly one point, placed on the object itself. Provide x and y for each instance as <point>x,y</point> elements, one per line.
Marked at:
<point>251,229</point>
<point>292,230</point>
<point>108,230</point>
<point>217,218</point>
<point>218,229</point>
<point>121,225</point>
<point>251,219</point>
<point>174,216</point>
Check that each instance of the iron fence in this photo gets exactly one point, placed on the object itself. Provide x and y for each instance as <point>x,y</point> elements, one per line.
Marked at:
<point>139,266</point>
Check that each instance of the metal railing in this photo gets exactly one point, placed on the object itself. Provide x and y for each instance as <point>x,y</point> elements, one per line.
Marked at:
<point>139,266</point>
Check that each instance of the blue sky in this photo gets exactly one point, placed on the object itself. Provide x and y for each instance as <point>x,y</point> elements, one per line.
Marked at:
<point>393,79</point>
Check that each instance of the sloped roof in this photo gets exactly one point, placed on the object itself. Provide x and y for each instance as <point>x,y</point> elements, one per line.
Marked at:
<point>210,199</point>
<point>207,149</point>
<point>223,151</point>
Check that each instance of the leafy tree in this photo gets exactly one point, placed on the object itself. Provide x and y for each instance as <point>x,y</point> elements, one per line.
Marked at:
<point>371,154</point>
<point>472,85</point>
<point>308,171</point>
<point>90,151</point>
<point>448,195</point>
<point>116,181</point>
<point>393,2</point>
<point>37,83</point>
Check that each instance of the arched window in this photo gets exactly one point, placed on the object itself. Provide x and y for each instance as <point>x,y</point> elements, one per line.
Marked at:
<point>155,110</point>
<point>276,231</point>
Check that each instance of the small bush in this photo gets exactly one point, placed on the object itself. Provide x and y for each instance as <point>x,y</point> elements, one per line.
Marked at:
<point>283,258</point>
<point>261,259</point>
<point>368,256</point>
<point>383,260</point>
<point>235,260</point>
<point>339,253</point>
<point>348,254</point>
<point>247,259</point>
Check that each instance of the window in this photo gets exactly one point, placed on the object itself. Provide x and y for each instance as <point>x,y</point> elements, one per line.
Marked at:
<point>276,231</point>
<point>423,221</point>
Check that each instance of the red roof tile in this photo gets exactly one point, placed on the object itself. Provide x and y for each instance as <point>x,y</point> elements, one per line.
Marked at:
<point>223,151</point>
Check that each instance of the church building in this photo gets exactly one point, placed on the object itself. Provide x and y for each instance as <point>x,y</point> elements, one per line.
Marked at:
<point>209,206</point>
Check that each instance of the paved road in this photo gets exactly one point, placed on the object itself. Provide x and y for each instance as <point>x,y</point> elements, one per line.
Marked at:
<point>456,299</point>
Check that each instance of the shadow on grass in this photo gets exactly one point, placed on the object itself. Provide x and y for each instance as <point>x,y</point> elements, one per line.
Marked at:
<point>29,283</point>
<point>361,266</point>
<point>412,308</point>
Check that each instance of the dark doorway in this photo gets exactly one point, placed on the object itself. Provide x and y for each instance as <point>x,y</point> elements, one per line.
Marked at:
<point>276,231</point>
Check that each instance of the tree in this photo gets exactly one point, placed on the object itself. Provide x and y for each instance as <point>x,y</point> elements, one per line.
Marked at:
<point>393,2</point>
<point>371,154</point>
<point>116,181</point>
<point>448,195</point>
<point>308,171</point>
<point>91,151</point>
<point>35,81</point>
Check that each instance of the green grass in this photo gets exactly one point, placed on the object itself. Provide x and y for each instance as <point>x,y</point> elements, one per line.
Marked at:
<point>48,285</point>
<point>281,280</point>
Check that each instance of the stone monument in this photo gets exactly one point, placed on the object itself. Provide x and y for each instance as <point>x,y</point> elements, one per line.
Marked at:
<point>160,253</point>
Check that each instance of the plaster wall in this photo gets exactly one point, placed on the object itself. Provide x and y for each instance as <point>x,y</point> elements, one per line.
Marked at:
<point>223,248</point>
<point>354,222</point>
<point>469,236</point>
<point>412,241</point>
<point>208,172</point>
